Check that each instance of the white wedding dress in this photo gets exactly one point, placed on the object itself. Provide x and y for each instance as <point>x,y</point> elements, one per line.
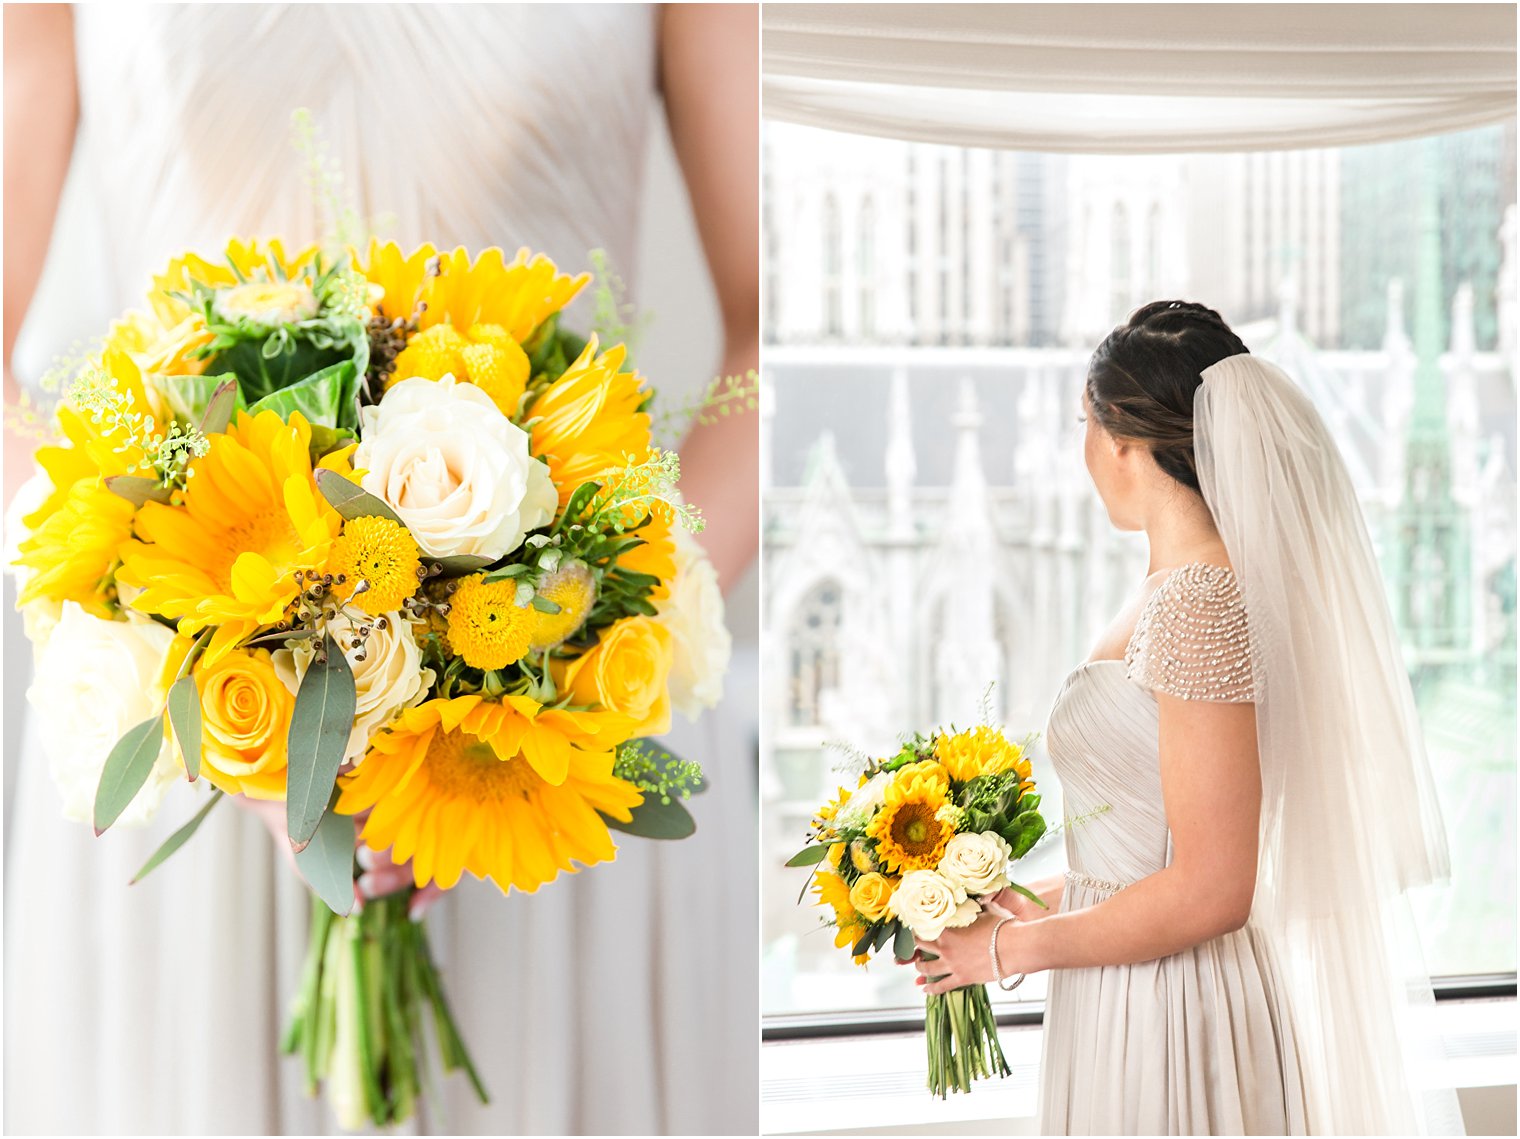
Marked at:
<point>1201,1042</point>
<point>615,1001</point>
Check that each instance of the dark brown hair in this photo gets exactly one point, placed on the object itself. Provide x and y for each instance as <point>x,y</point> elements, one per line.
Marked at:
<point>1143,377</point>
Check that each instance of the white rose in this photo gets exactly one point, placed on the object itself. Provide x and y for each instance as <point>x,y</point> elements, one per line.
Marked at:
<point>454,468</point>
<point>388,679</point>
<point>927,904</point>
<point>977,863</point>
<point>94,680</point>
<point>693,612</point>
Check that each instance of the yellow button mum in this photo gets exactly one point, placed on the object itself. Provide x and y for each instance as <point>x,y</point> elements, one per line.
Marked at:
<point>487,358</point>
<point>573,589</point>
<point>380,553</point>
<point>486,625</point>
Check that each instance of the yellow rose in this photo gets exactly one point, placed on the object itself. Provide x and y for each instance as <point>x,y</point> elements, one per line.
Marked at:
<point>872,894</point>
<point>245,719</point>
<point>628,672</point>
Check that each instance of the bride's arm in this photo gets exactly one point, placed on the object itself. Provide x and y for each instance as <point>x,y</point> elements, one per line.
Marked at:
<point>1211,783</point>
<point>41,113</point>
<point>709,75</point>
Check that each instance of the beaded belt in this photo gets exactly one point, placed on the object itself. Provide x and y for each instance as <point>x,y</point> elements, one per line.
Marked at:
<point>1094,883</point>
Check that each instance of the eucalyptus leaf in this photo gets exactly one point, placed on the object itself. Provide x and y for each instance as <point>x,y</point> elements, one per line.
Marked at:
<point>903,945</point>
<point>863,946</point>
<point>320,725</point>
<point>185,718</point>
<point>126,770</point>
<point>654,819</point>
<point>177,839</point>
<point>138,490</point>
<point>219,410</point>
<point>810,855</point>
<point>327,862</point>
<point>884,933</point>
<point>351,500</point>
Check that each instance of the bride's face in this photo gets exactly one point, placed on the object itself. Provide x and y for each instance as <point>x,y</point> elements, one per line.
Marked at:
<point>1111,463</point>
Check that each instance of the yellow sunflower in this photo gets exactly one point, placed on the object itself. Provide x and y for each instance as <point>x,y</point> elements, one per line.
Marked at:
<point>470,785</point>
<point>910,828</point>
<point>834,892</point>
<point>252,517</point>
<point>588,421</point>
<point>518,295</point>
<point>250,257</point>
<point>981,751</point>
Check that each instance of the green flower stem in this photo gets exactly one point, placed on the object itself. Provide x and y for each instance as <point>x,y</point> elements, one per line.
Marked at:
<point>960,1032</point>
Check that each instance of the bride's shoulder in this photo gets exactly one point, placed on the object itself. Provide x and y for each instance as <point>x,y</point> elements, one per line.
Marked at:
<point>1192,639</point>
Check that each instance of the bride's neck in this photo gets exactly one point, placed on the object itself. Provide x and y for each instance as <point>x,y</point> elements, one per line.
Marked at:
<point>1181,530</point>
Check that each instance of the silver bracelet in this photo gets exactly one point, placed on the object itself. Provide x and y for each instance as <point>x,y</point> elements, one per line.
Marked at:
<point>997,968</point>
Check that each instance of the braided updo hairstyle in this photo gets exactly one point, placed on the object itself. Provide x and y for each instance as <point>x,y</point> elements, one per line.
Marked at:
<point>1143,377</point>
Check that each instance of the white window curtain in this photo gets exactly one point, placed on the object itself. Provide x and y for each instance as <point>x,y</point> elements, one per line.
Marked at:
<point>1141,78</point>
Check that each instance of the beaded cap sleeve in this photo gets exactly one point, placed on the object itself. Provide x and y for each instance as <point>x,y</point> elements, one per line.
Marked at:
<point>1192,640</point>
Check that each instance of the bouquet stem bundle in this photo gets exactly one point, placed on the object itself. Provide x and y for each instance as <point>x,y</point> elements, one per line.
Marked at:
<point>961,1034</point>
<point>368,987</point>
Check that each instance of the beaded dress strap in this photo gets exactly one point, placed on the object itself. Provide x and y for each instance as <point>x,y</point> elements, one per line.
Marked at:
<point>1192,639</point>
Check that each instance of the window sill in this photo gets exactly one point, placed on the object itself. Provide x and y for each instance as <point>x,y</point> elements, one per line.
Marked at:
<point>874,1084</point>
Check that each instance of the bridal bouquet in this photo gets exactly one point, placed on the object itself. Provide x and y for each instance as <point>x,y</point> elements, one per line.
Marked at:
<point>922,843</point>
<point>372,535</point>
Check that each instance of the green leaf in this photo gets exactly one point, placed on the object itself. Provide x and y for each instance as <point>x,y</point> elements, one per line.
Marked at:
<point>290,361</point>
<point>903,944</point>
<point>867,940</point>
<point>219,410</point>
<point>457,565</point>
<point>327,862</point>
<point>328,397</point>
<point>138,490</point>
<point>319,728</point>
<point>126,770</point>
<point>185,717</point>
<point>884,933</point>
<point>1031,895</point>
<point>351,500</point>
<point>577,502</point>
<point>177,839</point>
<point>654,819</point>
<point>1023,831</point>
<point>190,397</point>
<point>544,604</point>
<point>515,570</point>
<point>325,440</point>
<point>810,855</point>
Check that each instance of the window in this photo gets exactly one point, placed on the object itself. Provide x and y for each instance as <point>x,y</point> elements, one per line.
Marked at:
<point>1061,569</point>
<point>865,268</point>
<point>833,264</point>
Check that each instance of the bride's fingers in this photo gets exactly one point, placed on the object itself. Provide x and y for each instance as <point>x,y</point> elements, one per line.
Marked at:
<point>423,900</point>
<point>384,879</point>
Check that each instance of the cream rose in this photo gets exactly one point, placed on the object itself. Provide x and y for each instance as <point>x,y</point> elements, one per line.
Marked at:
<point>388,679</point>
<point>693,612</point>
<point>454,468</point>
<point>927,904</point>
<point>977,863</point>
<point>94,680</point>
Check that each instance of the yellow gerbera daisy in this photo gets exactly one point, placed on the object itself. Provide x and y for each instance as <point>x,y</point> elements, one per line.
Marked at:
<point>455,786</point>
<point>73,552</point>
<point>252,517</point>
<point>834,892</point>
<point>518,296</point>
<point>381,554</point>
<point>588,421</point>
<point>909,829</point>
<point>980,751</point>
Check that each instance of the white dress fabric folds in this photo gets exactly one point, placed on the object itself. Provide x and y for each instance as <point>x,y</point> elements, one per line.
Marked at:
<point>606,1002</point>
<point>1201,1042</point>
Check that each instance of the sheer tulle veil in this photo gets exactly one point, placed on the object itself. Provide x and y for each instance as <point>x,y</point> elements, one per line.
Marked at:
<point>1349,815</point>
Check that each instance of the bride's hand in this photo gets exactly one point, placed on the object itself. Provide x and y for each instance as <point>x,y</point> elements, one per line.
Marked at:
<point>1010,903</point>
<point>960,956</point>
<point>379,875</point>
